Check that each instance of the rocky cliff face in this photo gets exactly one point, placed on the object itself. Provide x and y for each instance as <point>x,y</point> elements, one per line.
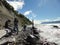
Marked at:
<point>7,12</point>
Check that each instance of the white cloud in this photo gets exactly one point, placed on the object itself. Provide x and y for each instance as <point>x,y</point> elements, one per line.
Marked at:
<point>46,20</point>
<point>37,21</point>
<point>40,21</point>
<point>17,4</point>
<point>33,15</point>
<point>28,12</point>
<point>57,19</point>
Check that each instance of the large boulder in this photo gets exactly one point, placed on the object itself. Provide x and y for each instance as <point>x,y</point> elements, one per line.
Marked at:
<point>2,33</point>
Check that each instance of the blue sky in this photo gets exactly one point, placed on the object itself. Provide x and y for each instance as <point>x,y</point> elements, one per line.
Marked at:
<point>39,10</point>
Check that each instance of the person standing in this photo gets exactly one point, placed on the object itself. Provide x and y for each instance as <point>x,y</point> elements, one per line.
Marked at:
<point>24,28</point>
<point>15,25</point>
<point>7,24</point>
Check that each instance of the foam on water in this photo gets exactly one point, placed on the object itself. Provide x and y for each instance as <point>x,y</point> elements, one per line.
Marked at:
<point>50,33</point>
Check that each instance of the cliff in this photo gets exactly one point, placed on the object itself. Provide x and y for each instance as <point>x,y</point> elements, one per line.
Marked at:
<point>8,12</point>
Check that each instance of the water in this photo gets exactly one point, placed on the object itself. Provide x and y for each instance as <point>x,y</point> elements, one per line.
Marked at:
<point>49,33</point>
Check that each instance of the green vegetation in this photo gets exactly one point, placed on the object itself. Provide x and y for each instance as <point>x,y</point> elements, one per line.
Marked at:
<point>23,19</point>
<point>7,5</point>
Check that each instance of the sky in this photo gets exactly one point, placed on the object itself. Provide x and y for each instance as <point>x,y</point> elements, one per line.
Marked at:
<point>38,10</point>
